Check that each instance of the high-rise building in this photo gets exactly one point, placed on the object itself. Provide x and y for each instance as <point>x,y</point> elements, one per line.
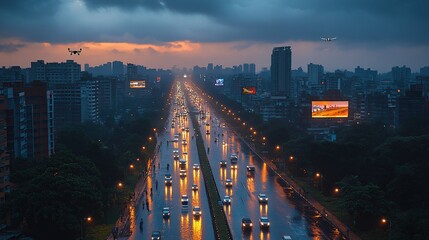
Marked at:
<point>4,155</point>
<point>401,77</point>
<point>246,68</point>
<point>281,71</point>
<point>55,73</point>
<point>36,101</point>
<point>315,73</point>
<point>252,68</point>
<point>118,68</point>
<point>424,71</point>
<point>17,122</point>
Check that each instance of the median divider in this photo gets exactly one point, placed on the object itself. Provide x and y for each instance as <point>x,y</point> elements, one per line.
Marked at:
<point>220,223</point>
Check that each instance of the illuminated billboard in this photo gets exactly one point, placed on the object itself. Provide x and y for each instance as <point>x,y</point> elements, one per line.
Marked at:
<point>251,90</point>
<point>219,82</point>
<point>137,83</point>
<point>329,109</point>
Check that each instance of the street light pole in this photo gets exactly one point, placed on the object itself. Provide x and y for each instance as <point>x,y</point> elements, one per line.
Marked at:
<point>389,234</point>
<point>81,226</point>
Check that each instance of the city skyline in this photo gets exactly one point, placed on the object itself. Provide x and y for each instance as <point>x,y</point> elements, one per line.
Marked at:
<point>169,33</point>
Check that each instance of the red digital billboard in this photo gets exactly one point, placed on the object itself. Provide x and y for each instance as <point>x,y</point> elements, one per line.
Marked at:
<point>251,90</point>
<point>329,109</point>
<point>137,83</point>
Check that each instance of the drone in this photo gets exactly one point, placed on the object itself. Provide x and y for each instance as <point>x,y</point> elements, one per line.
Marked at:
<point>328,39</point>
<point>75,51</point>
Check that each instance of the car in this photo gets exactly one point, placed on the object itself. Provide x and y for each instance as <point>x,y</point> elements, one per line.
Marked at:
<point>208,132</point>
<point>196,211</point>
<point>187,129</point>
<point>227,200</point>
<point>264,222</point>
<point>156,235</point>
<point>194,187</point>
<point>262,198</point>
<point>182,172</point>
<point>166,212</point>
<point>185,152</point>
<point>182,161</point>
<point>168,179</point>
<point>228,182</point>
<point>222,163</point>
<point>286,237</point>
<point>196,166</point>
<point>184,142</point>
<point>250,171</point>
<point>246,224</point>
<point>184,199</point>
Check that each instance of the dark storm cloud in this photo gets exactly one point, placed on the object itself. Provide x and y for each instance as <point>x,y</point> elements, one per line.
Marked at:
<point>29,8</point>
<point>208,7</point>
<point>10,47</point>
<point>354,22</point>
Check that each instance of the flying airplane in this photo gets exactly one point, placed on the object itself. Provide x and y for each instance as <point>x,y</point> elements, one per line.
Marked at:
<point>75,51</point>
<point>328,39</point>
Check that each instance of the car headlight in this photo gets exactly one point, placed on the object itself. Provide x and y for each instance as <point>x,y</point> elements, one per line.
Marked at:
<point>244,225</point>
<point>251,224</point>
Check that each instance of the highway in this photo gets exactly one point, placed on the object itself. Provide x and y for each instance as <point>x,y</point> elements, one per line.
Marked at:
<point>181,224</point>
<point>284,209</point>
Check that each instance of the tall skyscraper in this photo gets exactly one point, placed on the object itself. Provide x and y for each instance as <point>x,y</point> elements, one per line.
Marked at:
<point>315,73</point>
<point>281,71</point>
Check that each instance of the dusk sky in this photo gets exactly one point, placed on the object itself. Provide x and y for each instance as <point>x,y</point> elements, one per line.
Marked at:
<point>164,33</point>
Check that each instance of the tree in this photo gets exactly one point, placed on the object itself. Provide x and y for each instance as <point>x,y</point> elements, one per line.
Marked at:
<point>55,196</point>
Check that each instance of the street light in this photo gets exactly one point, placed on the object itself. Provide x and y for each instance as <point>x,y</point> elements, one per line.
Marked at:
<point>385,221</point>
<point>321,181</point>
<point>87,219</point>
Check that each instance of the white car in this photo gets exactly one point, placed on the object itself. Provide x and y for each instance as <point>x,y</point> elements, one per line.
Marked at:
<point>262,198</point>
<point>194,187</point>
<point>196,166</point>
<point>264,222</point>
<point>196,211</point>
<point>182,173</point>
<point>227,200</point>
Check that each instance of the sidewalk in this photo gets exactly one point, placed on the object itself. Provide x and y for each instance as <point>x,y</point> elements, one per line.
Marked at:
<point>122,225</point>
<point>311,201</point>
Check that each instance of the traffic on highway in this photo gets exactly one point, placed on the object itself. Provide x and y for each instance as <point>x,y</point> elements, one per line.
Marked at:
<point>255,201</point>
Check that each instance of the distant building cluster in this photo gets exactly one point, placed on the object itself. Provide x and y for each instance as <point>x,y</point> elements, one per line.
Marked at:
<point>283,93</point>
<point>38,101</point>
